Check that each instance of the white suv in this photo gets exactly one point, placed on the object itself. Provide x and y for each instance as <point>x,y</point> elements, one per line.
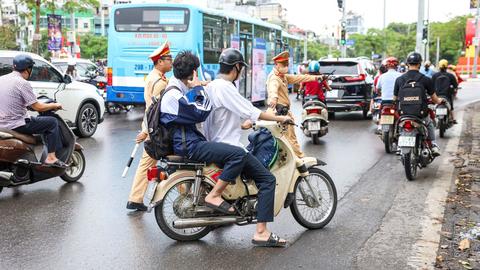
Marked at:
<point>82,103</point>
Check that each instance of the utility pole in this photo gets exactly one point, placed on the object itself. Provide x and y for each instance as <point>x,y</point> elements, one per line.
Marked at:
<point>72,28</point>
<point>384,28</point>
<point>305,48</point>
<point>102,18</point>
<point>475,42</point>
<point>1,13</point>
<point>344,25</point>
<point>420,24</point>
<point>427,44</point>
<point>437,58</point>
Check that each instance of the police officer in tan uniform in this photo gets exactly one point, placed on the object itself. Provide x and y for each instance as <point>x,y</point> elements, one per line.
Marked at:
<point>277,87</point>
<point>155,83</point>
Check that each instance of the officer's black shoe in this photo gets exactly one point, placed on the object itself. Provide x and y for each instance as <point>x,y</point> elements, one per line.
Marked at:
<point>136,206</point>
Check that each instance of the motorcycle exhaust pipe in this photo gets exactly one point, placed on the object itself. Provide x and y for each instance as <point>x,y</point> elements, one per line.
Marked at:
<point>426,153</point>
<point>203,222</point>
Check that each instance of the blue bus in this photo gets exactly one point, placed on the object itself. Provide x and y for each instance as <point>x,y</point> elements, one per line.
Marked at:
<point>137,29</point>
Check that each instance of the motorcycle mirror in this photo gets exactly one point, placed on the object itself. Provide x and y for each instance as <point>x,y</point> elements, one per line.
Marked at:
<point>60,87</point>
<point>67,79</point>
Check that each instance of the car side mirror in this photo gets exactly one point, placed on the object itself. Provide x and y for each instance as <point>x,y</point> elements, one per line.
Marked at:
<point>67,79</point>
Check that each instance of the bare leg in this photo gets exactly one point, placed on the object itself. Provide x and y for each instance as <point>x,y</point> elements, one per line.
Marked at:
<point>262,233</point>
<point>215,196</point>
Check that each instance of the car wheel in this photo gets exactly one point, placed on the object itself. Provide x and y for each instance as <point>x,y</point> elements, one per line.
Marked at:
<point>87,121</point>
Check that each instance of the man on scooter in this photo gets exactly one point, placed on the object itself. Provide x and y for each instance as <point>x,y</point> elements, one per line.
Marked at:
<point>224,124</point>
<point>315,88</point>
<point>445,85</point>
<point>16,95</point>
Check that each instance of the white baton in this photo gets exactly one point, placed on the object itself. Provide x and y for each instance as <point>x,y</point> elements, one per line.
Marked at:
<point>130,160</point>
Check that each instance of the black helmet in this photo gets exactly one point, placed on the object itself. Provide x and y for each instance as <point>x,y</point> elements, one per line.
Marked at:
<point>22,62</point>
<point>232,57</point>
<point>414,58</point>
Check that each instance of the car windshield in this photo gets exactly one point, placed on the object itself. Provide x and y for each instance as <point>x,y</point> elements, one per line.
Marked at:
<point>340,68</point>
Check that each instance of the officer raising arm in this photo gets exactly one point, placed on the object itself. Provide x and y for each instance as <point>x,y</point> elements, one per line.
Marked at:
<point>277,87</point>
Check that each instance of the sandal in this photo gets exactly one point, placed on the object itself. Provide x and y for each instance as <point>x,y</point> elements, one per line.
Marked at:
<point>58,164</point>
<point>273,241</point>
<point>223,207</point>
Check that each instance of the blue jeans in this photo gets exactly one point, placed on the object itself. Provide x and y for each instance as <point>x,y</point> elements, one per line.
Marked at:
<point>47,126</point>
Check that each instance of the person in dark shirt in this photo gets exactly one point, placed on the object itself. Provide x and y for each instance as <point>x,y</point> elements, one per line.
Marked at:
<point>414,61</point>
<point>445,85</point>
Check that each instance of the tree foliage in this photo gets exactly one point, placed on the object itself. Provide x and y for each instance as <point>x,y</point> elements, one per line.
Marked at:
<point>92,46</point>
<point>8,37</point>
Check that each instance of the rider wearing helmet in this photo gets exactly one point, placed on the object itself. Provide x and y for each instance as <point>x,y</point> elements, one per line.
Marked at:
<point>16,95</point>
<point>445,85</point>
<point>315,88</point>
<point>414,60</point>
<point>386,81</point>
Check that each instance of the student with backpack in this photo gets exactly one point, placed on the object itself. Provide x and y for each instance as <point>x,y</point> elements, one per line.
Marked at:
<point>410,92</point>
<point>445,85</point>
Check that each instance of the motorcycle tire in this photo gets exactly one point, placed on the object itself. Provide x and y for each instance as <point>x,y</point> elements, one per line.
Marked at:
<point>410,165</point>
<point>73,174</point>
<point>1,189</point>
<point>388,142</point>
<point>295,206</point>
<point>113,108</point>
<point>442,126</point>
<point>171,232</point>
<point>315,139</point>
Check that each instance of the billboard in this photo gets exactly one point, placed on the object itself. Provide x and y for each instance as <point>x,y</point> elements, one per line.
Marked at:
<point>54,32</point>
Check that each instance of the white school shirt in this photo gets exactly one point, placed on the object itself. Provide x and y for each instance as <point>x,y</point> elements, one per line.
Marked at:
<point>229,111</point>
<point>386,82</point>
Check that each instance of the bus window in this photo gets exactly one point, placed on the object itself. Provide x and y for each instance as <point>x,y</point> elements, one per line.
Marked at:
<point>212,39</point>
<point>229,30</point>
<point>151,19</point>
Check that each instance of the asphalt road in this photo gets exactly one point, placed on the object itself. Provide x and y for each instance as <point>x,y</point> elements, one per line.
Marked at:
<point>84,225</point>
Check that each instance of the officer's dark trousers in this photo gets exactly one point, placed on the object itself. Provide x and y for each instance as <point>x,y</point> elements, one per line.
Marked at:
<point>234,160</point>
<point>47,126</point>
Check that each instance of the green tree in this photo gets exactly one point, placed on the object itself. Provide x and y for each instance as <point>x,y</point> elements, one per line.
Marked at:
<point>317,50</point>
<point>92,46</point>
<point>8,36</point>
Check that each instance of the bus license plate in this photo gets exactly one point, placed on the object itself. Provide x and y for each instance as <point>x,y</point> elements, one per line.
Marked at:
<point>441,111</point>
<point>406,141</point>
<point>313,126</point>
<point>387,120</point>
<point>332,94</point>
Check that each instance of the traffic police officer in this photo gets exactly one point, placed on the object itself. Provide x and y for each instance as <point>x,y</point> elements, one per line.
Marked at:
<point>277,87</point>
<point>155,83</point>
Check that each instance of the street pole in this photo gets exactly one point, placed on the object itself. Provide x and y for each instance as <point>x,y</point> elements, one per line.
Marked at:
<point>384,28</point>
<point>305,49</point>
<point>427,45</point>
<point>102,19</point>
<point>72,28</point>
<point>344,46</point>
<point>437,57</point>
<point>477,30</point>
<point>419,43</point>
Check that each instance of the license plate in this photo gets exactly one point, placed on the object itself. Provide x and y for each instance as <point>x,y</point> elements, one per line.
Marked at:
<point>441,111</point>
<point>313,126</point>
<point>332,94</point>
<point>406,141</point>
<point>151,191</point>
<point>387,120</point>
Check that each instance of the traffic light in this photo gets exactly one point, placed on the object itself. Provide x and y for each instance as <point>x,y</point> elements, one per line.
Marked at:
<point>343,40</point>
<point>340,3</point>
<point>425,34</point>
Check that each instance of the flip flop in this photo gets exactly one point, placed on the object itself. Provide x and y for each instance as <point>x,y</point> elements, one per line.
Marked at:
<point>273,241</point>
<point>223,207</point>
<point>57,164</point>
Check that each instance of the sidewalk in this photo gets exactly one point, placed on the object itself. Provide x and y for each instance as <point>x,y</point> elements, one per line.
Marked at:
<point>460,237</point>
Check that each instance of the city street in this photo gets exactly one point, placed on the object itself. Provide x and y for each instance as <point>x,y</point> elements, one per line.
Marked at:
<point>84,225</point>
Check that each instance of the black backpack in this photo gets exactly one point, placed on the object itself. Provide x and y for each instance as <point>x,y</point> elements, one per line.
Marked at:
<point>442,85</point>
<point>159,142</point>
<point>412,99</point>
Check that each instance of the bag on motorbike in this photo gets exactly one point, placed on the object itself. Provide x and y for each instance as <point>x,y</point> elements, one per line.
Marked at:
<point>159,142</point>
<point>411,99</point>
<point>263,146</point>
<point>442,85</point>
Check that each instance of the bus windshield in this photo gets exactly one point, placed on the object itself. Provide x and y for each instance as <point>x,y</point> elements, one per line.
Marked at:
<point>151,19</point>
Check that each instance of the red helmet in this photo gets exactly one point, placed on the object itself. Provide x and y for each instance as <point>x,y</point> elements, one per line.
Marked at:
<point>391,62</point>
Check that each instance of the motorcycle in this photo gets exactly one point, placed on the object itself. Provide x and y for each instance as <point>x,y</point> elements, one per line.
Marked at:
<point>178,188</point>
<point>442,112</point>
<point>19,164</point>
<point>314,118</point>
<point>415,147</point>
<point>388,117</point>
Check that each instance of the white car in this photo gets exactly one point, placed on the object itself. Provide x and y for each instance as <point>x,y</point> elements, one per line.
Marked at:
<point>82,103</point>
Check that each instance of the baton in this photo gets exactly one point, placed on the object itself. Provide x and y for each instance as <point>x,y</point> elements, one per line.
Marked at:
<point>130,160</point>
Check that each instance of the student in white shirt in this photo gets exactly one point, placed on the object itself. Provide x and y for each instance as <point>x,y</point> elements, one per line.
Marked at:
<point>224,124</point>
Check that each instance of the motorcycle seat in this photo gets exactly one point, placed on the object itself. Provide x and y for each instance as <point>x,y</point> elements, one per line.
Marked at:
<point>29,139</point>
<point>185,160</point>
<point>314,103</point>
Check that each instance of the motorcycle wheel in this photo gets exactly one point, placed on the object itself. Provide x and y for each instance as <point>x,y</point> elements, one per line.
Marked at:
<point>128,108</point>
<point>442,127</point>
<point>410,164</point>
<point>1,189</point>
<point>305,208</point>
<point>177,199</point>
<point>388,142</point>
<point>75,172</point>
<point>315,139</point>
<point>113,108</point>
